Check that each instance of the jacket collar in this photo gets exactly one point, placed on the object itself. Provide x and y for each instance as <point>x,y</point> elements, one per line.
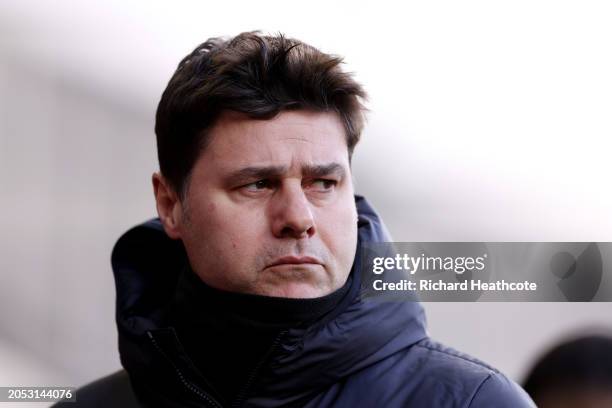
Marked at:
<point>358,333</point>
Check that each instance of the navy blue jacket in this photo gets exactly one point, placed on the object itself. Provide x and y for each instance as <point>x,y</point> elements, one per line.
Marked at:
<point>364,354</point>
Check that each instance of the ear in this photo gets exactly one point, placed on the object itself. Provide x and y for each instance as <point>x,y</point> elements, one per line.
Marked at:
<point>169,207</point>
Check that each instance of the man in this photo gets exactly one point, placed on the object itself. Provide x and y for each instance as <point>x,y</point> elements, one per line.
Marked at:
<point>246,290</point>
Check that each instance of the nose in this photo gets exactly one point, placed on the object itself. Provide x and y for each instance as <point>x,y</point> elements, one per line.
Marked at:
<point>292,213</point>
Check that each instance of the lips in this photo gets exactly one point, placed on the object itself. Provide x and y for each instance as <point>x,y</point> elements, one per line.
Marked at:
<point>295,260</point>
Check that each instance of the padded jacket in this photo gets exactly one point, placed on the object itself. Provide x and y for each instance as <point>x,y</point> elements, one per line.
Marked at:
<point>366,353</point>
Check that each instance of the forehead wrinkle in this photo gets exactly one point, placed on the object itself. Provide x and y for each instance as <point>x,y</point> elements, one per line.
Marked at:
<point>301,139</point>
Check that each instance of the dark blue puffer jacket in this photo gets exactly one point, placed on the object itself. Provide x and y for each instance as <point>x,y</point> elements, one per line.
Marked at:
<point>364,354</point>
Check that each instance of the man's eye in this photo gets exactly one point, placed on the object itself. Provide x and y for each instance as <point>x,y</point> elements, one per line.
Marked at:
<point>324,184</point>
<point>258,185</point>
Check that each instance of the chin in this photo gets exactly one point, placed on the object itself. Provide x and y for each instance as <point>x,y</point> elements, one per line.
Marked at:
<point>294,281</point>
<point>295,290</point>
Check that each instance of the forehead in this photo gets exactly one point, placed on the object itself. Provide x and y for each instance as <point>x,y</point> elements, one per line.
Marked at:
<point>293,136</point>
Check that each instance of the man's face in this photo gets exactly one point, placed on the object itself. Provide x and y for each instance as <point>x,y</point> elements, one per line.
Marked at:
<point>269,208</point>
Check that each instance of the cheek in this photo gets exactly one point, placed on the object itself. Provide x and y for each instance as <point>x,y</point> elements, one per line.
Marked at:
<point>219,239</point>
<point>339,227</point>
<point>228,230</point>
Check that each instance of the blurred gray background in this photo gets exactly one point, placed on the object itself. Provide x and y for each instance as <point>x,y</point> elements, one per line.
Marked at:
<point>488,122</point>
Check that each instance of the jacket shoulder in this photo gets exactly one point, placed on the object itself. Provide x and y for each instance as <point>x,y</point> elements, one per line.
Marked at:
<point>114,390</point>
<point>499,391</point>
<point>482,385</point>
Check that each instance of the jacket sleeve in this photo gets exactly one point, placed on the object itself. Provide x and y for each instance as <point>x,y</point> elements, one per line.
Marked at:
<point>500,392</point>
<point>111,391</point>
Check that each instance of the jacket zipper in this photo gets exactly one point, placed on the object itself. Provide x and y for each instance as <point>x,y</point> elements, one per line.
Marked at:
<point>251,378</point>
<point>188,385</point>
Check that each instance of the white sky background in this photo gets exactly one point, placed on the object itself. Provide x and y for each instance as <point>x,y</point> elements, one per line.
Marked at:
<point>490,120</point>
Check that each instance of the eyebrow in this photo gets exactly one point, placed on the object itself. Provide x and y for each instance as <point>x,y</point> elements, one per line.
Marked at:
<point>323,170</point>
<point>250,173</point>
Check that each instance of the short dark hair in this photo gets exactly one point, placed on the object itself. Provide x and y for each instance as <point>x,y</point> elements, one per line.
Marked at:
<point>258,76</point>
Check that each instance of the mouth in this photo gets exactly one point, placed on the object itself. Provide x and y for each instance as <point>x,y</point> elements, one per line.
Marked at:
<point>295,260</point>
